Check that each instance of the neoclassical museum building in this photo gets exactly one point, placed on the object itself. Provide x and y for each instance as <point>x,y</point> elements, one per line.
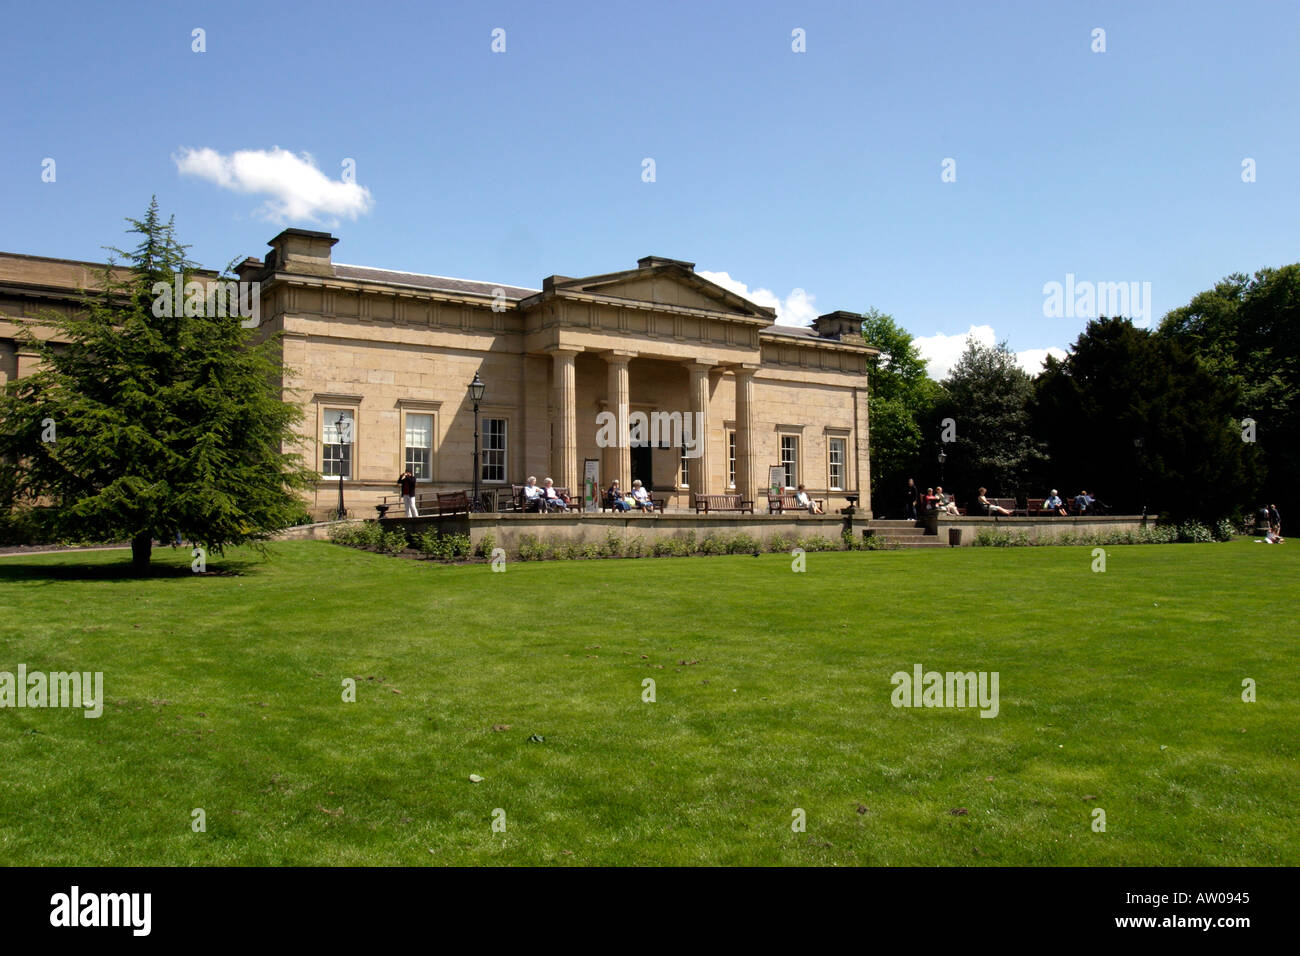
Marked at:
<point>381,363</point>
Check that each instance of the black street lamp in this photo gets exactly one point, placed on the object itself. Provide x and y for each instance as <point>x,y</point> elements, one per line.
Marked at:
<point>1137,445</point>
<point>344,441</point>
<point>476,390</point>
<point>942,458</point>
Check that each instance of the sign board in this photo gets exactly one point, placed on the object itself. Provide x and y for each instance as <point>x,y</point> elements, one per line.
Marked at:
<point>776,479</point>
<point>590,483</point>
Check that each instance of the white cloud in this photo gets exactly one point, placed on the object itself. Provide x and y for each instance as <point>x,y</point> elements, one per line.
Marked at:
<point>1031,360</point>
<point>298,190</point>
<point>795,309</point>
<point>941,352</point>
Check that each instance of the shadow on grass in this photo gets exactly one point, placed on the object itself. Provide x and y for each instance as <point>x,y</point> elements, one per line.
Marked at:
<point>13,570</point>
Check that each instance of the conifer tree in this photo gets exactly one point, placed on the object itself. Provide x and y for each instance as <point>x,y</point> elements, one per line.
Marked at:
<point>152,417</point>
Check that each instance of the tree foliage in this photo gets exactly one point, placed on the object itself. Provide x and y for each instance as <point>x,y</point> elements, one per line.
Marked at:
<point>1140,422</point>
<point>902,397</point>
<point>161,424</point>
<point>987,395</point>
<point>1246,332</point>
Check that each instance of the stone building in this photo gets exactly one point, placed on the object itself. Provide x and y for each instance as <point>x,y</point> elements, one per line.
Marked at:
<point>381,361</point>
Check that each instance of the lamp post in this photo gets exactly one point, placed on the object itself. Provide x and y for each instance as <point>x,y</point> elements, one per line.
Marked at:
<point>476,390</point>
<point>1137,445</point>
<point>345,439</point>
<point>942,458</point>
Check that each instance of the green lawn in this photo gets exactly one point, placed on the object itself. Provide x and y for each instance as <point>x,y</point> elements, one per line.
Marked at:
<point>1119,690</point>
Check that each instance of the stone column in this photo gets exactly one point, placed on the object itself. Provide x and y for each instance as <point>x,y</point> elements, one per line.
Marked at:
<point>699,392</point>
<point>618,459</point>
<point>746,480</point>
<point>564,446</point>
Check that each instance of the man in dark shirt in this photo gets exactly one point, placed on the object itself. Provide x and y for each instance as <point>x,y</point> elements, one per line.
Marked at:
<point>913,499</point>
<point>407,485</point>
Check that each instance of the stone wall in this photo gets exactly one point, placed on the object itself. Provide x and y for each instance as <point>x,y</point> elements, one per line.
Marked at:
<point>506,529</point>
<point>1040,530</point>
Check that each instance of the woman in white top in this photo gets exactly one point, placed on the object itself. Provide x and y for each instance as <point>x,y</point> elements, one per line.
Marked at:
<point>806,503</point>
<point>643,499</point>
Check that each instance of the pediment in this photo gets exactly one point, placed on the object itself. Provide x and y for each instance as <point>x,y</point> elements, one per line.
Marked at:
<point>670,286</point>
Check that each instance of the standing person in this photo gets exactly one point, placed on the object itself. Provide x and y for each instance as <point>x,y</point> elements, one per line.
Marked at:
<point>1274,520</point>
<point>913,499</point>
<point>406,484</point>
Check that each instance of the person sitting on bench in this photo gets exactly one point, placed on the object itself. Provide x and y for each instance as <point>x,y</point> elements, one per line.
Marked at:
<point>1084,501</point>
<point>551,498</point>
<point>614,498</point>
<point>989,508</point>
<point>532,495</point>
<point>946,503</point>
<point>806,503</point>
<point>1054,505</point>
<point>643,499</point>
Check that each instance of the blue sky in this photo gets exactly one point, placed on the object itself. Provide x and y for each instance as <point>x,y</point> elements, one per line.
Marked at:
<point>813,176</point>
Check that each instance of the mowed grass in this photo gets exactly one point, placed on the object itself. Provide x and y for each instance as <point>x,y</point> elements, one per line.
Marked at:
<point>1119,690</point>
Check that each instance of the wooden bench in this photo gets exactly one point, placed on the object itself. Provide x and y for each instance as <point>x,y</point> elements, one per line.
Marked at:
<point>707,503</point>
<point>660,504</point>
<point>1008,503</point>
<point>779,504</point>
<point>450,503</point>
<point>575,504</point>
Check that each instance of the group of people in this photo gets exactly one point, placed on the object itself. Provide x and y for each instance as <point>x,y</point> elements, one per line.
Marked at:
<point>639,498</point>
<point>1272,517</point>
<point>935,499</point>
<point>543,497</point>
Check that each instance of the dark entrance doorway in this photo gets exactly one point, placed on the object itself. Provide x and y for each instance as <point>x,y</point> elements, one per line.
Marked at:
<point>641,470</point>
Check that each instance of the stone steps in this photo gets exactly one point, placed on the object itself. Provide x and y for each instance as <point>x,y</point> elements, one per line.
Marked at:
<point>907,534</point>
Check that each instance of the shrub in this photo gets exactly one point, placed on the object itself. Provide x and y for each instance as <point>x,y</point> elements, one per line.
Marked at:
<point>779,543</point>
<point>743,544</point>
<point>1224,530</point>
<point>613,545</point>
<point>634,546</point>
<point>529,548</point>
<point>818,543</point>
<point>485,545</point>
<point>392,542</point>
<point>444,547</point>
<point>712,544</point>
<point>992,538</point>
<point>1195,532</point>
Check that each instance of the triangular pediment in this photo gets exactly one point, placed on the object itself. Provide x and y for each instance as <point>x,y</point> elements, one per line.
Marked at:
<point>669,285</point>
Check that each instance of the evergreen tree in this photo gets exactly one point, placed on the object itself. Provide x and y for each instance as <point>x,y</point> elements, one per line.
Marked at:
<point>151,420</point>
<point>987,395</point>
<point>1135,418</point>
